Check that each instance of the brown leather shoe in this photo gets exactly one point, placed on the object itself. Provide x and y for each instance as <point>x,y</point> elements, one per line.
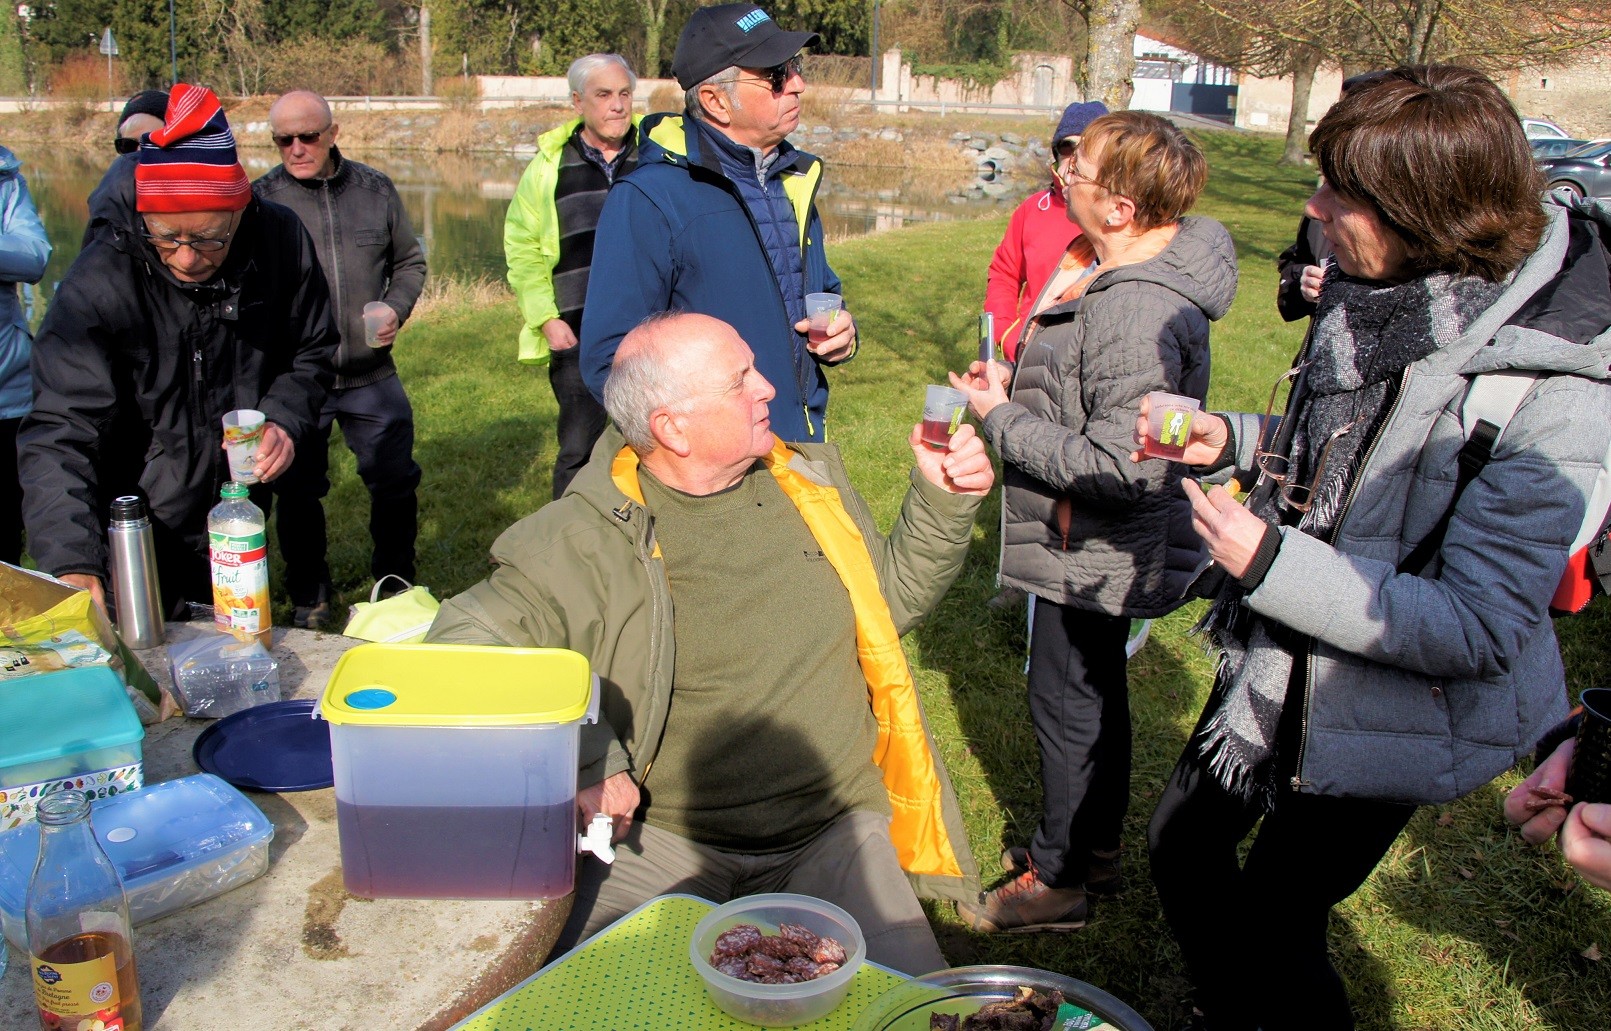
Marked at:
<point>1104,875</point>
<point>1024,904</point>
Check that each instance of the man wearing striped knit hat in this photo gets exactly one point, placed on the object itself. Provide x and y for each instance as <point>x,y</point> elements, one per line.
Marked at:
<point>211,301</point>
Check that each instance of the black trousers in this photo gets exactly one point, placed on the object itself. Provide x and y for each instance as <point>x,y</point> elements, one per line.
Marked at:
<point>581,418</point>
<point>1254,934</point>
<point>10,494</point>
<point>377,422</point>
<point>1079,702</point>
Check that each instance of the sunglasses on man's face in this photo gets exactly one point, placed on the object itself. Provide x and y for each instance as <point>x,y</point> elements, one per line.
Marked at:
<point>778,76</point>
<point>307,139</point>
<point>124,145</point>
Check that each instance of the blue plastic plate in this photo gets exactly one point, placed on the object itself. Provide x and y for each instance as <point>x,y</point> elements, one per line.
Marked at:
<point>277,746</point>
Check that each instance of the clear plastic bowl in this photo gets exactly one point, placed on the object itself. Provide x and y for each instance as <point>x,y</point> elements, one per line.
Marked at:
<point>778,1005</point>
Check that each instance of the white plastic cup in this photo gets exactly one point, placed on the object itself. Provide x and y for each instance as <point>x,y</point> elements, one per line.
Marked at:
<point>943,408</point>
<point>375,319</point>
<point>1169,419</point>
<point>243,433</point>
<point>822,310</point>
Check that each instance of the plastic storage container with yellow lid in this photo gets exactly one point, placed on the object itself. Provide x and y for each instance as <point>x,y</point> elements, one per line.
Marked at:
<point>455,769</point>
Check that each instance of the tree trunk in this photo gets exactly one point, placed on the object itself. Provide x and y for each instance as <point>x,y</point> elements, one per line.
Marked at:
<point>1303,84</point>
<point>1110,51</point>
<point>427,87</point>
<point>654,20</point>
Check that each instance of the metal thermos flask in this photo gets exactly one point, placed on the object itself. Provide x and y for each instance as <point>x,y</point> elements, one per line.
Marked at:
<point>135,593</point>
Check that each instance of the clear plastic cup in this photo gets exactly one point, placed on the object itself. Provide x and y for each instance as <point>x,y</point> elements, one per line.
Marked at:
<point>943,409</point>
<point>376,315</point>
<point>822,310</point>
<point>1169,419</point>
<point>243,433</point>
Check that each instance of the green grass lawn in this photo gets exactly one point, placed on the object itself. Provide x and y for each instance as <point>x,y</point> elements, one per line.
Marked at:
<point>1463,925</point>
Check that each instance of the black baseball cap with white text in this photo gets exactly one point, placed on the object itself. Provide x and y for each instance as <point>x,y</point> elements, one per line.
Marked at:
<point>732,34</point>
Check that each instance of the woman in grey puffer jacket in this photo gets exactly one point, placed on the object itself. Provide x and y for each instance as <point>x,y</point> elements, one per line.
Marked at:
<point>1384,633</point>
<point>1096,537</point>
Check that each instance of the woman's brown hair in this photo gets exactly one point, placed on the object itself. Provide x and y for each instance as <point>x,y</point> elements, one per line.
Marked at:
<point>1439,153</point>
<point>1145,158</point>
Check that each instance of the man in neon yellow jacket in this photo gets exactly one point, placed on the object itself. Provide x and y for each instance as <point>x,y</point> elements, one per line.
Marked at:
<point>548,239</point>
<point>760,729</point>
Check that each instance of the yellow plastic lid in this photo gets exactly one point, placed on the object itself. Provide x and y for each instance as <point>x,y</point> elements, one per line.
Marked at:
<point>457,685</point>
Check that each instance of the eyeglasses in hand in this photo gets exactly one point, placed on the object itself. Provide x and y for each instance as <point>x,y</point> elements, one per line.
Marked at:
<point>1277,468</point>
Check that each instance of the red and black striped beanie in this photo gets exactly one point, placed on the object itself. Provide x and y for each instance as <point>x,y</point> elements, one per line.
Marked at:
<point>190,163</point>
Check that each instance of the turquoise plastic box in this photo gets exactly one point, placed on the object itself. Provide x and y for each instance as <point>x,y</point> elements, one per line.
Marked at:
<point>71,729</point>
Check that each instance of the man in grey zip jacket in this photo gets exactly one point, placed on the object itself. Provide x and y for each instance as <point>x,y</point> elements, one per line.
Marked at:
<point>370,254</point>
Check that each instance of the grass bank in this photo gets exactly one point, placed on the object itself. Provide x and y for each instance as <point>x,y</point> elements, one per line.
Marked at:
<point>1462,927</point>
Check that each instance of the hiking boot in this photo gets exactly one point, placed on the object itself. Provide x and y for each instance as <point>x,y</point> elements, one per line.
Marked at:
<point>316,616</point>
<point>1024,904</point>
<point>1104,875</point>
<point>1007,599</point>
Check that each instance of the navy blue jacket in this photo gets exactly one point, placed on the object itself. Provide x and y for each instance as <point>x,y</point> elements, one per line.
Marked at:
<point>675,234</point>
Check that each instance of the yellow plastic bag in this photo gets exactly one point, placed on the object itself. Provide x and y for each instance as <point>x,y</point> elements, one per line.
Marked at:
<point>401,619</point>
<point>46,625</point>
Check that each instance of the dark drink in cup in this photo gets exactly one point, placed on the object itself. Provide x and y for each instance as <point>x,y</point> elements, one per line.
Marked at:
<point>817,335</point>
<point>823,312</point>
<point>943,408</point>
<point>1169,418</point>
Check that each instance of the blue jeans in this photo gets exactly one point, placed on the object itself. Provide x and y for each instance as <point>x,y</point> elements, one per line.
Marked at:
<point>378,424</point>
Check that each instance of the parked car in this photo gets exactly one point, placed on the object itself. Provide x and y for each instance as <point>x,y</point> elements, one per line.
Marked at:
<point>1552,148</point>
<point>1586,173</point>
<point>1543,129</point>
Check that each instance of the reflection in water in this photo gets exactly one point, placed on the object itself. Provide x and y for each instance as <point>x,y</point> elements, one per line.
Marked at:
<point>457,201</point>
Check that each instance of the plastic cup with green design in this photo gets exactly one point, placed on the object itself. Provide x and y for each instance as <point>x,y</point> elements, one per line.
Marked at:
<point>943,409</point>
<point>1169,419</point>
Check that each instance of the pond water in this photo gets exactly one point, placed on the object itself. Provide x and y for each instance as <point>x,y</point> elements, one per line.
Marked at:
<point>457,202</point>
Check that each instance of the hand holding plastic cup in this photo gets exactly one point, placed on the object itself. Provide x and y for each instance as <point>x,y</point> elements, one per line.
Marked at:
<point>1588,779</point>
<point>1169,418</point>
<point>943,408</point>
<point>376,315</point>
<point>822,311</point>
<point>243,433</point>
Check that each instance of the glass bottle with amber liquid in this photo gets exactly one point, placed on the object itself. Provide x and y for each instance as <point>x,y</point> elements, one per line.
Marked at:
<point>82,960</point>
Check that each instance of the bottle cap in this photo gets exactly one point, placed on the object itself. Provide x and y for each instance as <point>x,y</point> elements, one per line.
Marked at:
<point>128,508</point>
<point>234,489</point>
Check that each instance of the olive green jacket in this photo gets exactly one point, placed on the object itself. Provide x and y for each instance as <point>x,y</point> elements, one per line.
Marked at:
<point>584,573</point>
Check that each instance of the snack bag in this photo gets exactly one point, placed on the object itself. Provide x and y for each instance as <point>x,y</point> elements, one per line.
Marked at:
<point>46,625</point>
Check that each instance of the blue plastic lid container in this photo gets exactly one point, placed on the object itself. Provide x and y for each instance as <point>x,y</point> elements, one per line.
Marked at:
<point>174,844</point>
<point>74,728</point>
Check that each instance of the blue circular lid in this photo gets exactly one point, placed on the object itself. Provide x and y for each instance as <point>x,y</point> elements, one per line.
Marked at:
<point>277,746</point>
<point>370,698</point>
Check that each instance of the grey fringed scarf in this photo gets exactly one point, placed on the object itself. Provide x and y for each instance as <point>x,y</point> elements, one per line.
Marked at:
<point>1364,336</point>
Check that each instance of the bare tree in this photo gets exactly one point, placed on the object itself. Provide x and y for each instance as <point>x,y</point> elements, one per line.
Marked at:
<point>1296,37</point>
<point>654,22</point>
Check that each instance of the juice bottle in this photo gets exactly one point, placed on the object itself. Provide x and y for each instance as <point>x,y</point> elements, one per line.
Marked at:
<point>238,541</point>
<point>81,959</point>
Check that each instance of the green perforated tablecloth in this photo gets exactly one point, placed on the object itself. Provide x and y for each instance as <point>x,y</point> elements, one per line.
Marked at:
<point>636,974</point>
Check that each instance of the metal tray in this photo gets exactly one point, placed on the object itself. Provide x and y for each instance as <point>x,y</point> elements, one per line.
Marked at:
<point>966,990</point>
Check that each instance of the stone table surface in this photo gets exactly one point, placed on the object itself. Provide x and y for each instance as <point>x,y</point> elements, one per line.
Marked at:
<point>293,950</point>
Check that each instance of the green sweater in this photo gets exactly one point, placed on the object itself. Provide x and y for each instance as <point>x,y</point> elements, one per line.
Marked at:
<point>769,736</point>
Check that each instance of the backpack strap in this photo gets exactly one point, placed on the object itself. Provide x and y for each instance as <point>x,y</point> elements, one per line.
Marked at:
<point>1491,401</point>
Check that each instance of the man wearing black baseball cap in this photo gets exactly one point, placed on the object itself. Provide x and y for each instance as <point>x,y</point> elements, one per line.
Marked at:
<point>719,218</point>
